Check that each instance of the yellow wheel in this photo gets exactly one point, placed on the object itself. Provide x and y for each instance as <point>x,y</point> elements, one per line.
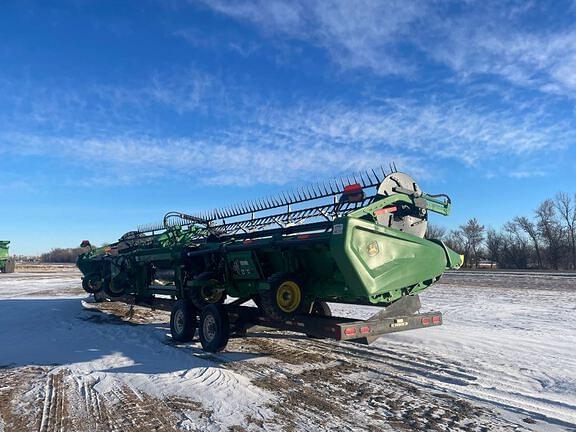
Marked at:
<point>210,294</point>
<point>285,298</point>
<point>288,296</point>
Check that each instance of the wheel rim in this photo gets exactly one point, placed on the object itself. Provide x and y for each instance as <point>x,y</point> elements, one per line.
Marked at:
<point>179,321</point>
<point>209,328</point>
<point>210,294</point>
<point>288,296</point>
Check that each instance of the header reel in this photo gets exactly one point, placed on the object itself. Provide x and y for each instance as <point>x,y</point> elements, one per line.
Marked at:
<point>322,202</point>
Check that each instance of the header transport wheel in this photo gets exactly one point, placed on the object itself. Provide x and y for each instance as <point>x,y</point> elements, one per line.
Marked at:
<point>183,321</point>
<point>208,293</point>
<point>214,330</point>
<point>285,297</point>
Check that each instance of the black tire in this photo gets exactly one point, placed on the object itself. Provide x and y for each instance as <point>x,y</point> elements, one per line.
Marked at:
<point>214,329</point>
<point>110,288</point>
<point>183,321</point>
<point>200,297</point>
<point>319,308</point>
<point>92,285</point>
<point>268,298</point>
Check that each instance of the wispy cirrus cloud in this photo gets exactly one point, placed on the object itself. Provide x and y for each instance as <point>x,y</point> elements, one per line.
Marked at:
<point>403,38</point>
<point>280,145</point>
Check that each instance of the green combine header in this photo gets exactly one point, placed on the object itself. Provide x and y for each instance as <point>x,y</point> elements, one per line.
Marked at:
<point>357,241</point>
<point>7,264</point>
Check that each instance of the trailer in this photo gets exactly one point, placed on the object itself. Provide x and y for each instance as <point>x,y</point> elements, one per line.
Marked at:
<point>215,324</point>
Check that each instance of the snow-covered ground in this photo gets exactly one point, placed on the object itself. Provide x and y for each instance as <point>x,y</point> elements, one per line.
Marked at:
<point>508,340</point>
<point>503,360</point>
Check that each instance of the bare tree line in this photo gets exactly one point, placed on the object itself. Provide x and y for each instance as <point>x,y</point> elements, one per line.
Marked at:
<point>60,255</point>
<point>546,240</point>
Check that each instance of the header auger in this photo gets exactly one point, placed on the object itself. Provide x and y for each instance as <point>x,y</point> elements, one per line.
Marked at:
<point>358,240</point>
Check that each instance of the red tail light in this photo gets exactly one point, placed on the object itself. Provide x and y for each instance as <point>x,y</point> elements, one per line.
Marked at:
<point>425,321</point>
<point>350,331</point>
<point>364,329</point>
<point>437,319</point>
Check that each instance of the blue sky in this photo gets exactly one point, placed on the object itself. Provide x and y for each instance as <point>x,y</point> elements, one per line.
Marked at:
<point>114,112</point>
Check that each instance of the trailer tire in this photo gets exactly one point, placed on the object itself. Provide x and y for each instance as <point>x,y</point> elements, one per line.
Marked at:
<point>319,308</point>
<point>214,329</point>
<point>183,321</point>
<point>285,286</point>
<point>202,298</point>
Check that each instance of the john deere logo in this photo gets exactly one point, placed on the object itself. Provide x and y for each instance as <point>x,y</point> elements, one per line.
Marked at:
<point>373,249</point>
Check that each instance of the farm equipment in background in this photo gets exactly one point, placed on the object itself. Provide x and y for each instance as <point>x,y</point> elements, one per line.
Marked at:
<point>357,241</point>
<point>7,264</point>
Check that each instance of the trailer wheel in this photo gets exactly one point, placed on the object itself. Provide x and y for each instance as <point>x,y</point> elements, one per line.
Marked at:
<point>92,286</point>
<point>183,321</point>
<point>207,294</point>
<point>214,328</point>
<point>285,297</point>
<point>319,308</point>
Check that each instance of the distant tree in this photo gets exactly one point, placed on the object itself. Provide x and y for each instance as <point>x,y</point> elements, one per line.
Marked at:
<point>516,252</point>
<point>494,246</point>
<point>473,234</point>
<point>60,255</point>
<point>551,231</point>
<point>435,232</point>
<point>532,230</point>
<point>455,241</point>
<point>566,207</point>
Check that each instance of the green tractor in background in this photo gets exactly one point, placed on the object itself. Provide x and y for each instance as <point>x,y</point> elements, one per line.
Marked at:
<point>7,264</point>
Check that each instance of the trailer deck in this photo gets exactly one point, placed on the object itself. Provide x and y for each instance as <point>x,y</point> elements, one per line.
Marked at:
<point>236,319</point>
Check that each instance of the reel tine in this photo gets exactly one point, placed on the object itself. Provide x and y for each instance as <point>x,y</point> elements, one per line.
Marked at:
<point>332,188</point>
<point>364,183</point>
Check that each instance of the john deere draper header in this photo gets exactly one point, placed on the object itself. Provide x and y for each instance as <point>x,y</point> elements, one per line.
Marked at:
<point>355,240</point>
